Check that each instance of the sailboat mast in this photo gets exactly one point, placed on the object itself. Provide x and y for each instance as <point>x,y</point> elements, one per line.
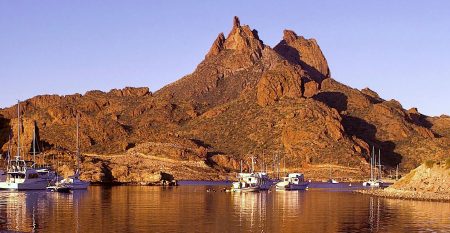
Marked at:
<point>78,146</point>
<point>34,143</point>
<point>18,129</point>
<point>253,163</point>
<point>9,148</point>
<point>371,164</point>
<point>379,163</point>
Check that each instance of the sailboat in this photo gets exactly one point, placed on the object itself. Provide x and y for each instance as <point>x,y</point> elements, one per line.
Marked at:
<point>20,174</point>
<point>331,180</point>
<point>74,181</point>
<point>375,179</point>
<point>45,172</point>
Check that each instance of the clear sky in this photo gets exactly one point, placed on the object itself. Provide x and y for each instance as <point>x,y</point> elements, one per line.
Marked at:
<point>400,49</point>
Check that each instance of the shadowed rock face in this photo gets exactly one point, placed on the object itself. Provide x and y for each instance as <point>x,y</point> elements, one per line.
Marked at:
<point>243,99</point>
<point>304,52</point>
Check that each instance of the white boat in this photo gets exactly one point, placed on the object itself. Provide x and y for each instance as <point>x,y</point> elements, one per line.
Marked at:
<point>375,173</point>
<point>60,188</point>
<point>294,181</point>
<point>74,181</point>
<point>247,182</point>
<point>333,181</point>
<point>20,174</point>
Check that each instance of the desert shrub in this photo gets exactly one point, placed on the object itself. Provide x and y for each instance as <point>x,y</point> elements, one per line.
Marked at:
<point>429,163</point>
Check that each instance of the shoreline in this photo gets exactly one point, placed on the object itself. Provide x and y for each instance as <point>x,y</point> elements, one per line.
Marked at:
<point>406,195</point>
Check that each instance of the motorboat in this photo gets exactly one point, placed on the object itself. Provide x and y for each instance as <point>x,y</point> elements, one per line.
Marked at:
<point>21,176</point>
<point>59,187</point>
<point>74,182</point>
<point>247,182</point>
<point>294,181</point>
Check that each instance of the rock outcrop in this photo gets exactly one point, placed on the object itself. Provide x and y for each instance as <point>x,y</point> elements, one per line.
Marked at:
<point>305,52</point>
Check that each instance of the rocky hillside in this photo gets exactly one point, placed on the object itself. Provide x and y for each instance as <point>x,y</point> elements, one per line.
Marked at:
<point>245,98</point>
<point>431,177</point>
<point>429,181</point>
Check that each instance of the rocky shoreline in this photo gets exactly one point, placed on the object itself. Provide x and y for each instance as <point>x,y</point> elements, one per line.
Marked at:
<point>407,195</point>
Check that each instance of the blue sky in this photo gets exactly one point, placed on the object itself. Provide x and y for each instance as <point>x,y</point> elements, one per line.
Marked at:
<point>400,49</point>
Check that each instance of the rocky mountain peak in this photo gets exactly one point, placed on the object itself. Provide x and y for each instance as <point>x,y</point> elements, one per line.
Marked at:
<point>289,36</point>
<point>236,22</point>
<point>304,52</point>
<point>217,45</point>
<point>241,39</point>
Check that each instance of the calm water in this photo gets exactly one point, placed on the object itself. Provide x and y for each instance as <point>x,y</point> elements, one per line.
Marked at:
<point>192,209</point>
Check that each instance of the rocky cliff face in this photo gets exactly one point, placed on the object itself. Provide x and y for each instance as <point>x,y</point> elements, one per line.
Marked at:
<point>244,99</point>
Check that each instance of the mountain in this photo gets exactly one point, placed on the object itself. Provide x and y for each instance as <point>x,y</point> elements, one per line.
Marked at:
<point>245,98</point>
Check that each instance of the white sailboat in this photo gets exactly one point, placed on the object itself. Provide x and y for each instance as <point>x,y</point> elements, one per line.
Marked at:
<point>74,181</point>
<point>375,173</point>
<point>20,174</point>
<point>294,181</point>
<point>331,180</point>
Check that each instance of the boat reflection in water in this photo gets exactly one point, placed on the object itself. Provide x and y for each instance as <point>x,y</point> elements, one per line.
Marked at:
<point>30,211</point>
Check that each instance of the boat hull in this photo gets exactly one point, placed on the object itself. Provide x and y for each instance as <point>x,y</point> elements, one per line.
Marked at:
<point>375,184</point>
<point>247,190</point>
<point>37,185</point>
<point>290,187</point>
<point>79,186</point>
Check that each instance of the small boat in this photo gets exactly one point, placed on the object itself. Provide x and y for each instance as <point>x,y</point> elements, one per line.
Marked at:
<point>59,187</point>
<point>294,181</point>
